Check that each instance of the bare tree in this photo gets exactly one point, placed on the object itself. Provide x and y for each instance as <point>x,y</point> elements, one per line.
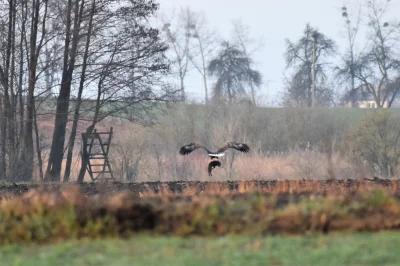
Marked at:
<point>300,56</point>
<point>27,151</point>
<point>5,75</point>
<point>128,74</point>
<point>231,69</point>
<point>18,99</point>
<point>205,42</point>
<point>24,29</point>
<point>80,91</point>
<point>346,72</point>
<point>74,14</point>
<point>379,66</point>
<point>128,154</point>
<point>178,35</point>
<point>249,46</point>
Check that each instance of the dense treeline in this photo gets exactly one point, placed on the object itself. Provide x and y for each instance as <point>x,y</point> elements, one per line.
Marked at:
<point>105,51</point>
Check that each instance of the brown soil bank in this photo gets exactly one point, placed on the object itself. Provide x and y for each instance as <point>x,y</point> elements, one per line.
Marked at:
<point>196,187</point>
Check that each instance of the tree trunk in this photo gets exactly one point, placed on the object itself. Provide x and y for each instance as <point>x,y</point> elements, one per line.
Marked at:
<point>6,86</point>
<point>183,96</point>
<point>230,97</point>
<point>253,95</point>
<point>27,155</point>
<point>85,155</point>
<point>2,152</point>
<point>78,100</point>
<point>53,170</point>
<point>21,76</point>
<point>204,71</point>
<point>313,74</point>
<point>85,158</point>
<point>38,148</point>
<point>11,121</point>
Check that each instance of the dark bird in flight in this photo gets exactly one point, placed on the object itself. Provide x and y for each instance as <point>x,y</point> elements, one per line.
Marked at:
<point>212,165</point>
<point>186,149</point>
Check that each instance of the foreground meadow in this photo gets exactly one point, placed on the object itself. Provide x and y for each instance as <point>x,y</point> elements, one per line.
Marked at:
<point>334,249</point>
<point>333,222</point>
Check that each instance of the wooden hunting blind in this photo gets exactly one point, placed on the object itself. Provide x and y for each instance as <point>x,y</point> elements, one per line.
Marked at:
<point>96,146</point>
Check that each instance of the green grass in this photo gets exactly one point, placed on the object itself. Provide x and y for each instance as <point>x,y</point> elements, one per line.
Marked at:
<point>333,249</point>
<point>350,115</point>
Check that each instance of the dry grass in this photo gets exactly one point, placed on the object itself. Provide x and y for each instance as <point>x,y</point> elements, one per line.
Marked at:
<point>144,154</point>
<point>292,166</point>
<point>51,213</point>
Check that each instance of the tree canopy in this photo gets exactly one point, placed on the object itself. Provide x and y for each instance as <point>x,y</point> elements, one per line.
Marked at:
<point>231,68</point>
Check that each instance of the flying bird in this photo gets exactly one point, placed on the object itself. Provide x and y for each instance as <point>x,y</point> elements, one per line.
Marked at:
<point>186,149</point>
<point>212,165</point>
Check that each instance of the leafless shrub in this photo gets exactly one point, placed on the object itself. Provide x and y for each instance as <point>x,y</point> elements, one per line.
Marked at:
<point>376,140</point>
<point>307,163</point>
<point>128,152</point>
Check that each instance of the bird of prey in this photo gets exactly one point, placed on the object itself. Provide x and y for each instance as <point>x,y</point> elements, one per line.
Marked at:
<point>212,165</point>
<point>186,149</point>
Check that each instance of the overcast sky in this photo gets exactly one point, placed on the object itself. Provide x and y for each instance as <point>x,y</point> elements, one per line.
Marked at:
<point>274,21</point>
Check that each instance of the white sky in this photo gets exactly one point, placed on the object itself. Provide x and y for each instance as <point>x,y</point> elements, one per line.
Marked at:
<point>274,20</point>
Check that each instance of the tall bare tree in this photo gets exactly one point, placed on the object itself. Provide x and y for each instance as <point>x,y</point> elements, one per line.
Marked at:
<point>346,71</point>
<point>23,32</point>
<point>74,15</point>
<point>378,69</point>
<point>35,48</point>
<point>80,90</point>
<point>204,42</point>
<point>127,74</point>
<point>232,72</point>
<point>249,46</point>
<point>299,55</point>
<point>5,75</point>
<point>178,33</point>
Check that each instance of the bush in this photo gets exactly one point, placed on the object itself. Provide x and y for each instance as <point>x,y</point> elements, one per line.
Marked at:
<point>41,216</point>
<point>313,127</point>
<point>376,139</point>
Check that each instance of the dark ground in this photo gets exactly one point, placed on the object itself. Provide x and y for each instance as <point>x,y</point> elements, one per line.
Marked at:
<point>110,187</point>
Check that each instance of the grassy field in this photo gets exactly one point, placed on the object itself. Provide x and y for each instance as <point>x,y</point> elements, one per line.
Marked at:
<point>233,225</point>
<point>352,115</point>
<point>334,249</point>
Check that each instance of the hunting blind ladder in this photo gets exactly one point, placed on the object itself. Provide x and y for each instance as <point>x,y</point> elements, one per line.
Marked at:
<point>95,149</point>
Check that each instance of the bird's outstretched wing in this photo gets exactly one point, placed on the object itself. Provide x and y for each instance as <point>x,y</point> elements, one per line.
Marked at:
<point>186,149</point>
<point>235,145</point>
<point>212,165</point>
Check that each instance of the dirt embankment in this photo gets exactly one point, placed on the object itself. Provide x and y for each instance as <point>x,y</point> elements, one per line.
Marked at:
<point>195,187</point>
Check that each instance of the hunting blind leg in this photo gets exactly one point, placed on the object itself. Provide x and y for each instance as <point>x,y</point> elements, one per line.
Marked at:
<point>96,148</point>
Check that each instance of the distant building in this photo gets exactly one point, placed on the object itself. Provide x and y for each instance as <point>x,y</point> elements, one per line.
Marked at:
<point>364,99</point>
